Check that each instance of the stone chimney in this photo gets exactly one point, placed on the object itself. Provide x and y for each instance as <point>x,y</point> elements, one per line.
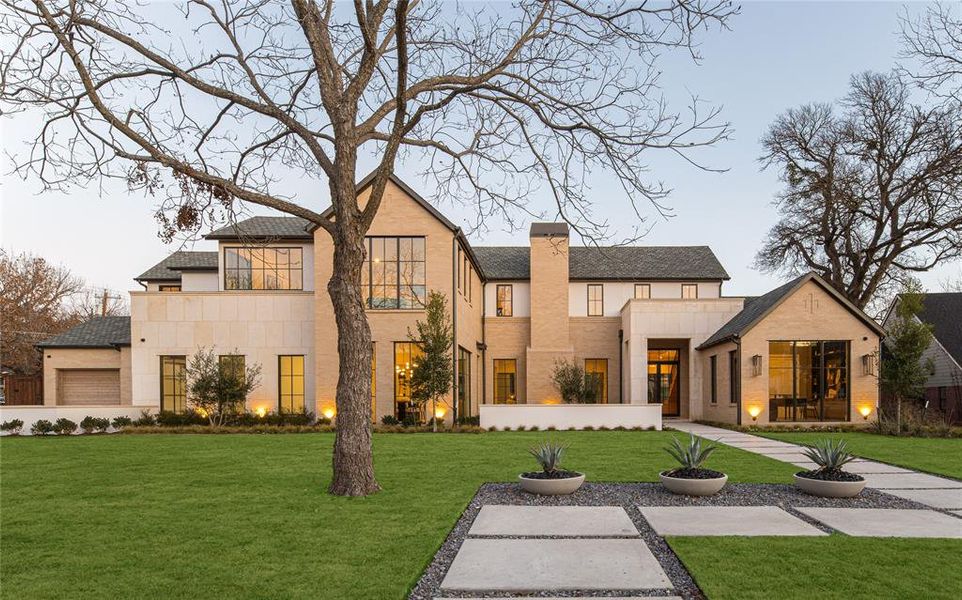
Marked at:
<point>550,339</point>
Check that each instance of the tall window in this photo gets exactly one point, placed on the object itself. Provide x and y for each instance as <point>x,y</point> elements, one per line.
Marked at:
<point>393,274</point>
<point>689,291</point>
<point>733,377</point>
<point>642,291</point>
<point>596,376</point>
<point>505,381</point>
<point>263,269</point>
<point>596,300</point>
<point>713,361</point>
<point>505,300</point>
<point>406,357</point>
<point>290,374</point>
<point>173,383</point>
<point>808,381</point>
<point>464,382</point>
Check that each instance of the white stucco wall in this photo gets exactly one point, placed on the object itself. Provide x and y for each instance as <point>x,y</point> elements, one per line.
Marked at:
<point>199,281</point>
<point>618,292</point>
<point>692,320</point>
<point>259,325</point>
<point>521,298</point>
<point>570,416</point>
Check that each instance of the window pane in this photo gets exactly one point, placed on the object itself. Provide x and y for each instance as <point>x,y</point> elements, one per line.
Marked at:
<point>505,372</point>
<point>596,373</point>
<point>642,291</point>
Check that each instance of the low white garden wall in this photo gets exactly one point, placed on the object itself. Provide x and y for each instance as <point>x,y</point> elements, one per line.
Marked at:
<point>570,416</point>
<point>31,414</point>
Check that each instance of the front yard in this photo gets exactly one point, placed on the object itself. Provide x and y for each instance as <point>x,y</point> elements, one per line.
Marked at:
<point>247,516</point>
<point>941,456</point>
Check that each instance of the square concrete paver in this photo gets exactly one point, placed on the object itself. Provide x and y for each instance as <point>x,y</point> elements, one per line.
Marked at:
<point>725,520</point>
<point>909,481</point>
<point>512,565</point>
<point>934,498</point>
<point>787,457</point>
<point>867,467</point>
<point>600,521</point>
<point>888,522</point>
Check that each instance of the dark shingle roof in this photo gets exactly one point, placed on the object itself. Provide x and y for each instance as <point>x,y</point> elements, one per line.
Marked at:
<point>169,269</point>
<point>944,312</point>
<point>99,332</point>
<point>754,309</point>
<point>276,228</point>
<point>609,263</point>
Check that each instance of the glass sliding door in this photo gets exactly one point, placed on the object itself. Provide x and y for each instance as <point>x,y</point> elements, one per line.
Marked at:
<point>663,381</point>
<point>808,381</point>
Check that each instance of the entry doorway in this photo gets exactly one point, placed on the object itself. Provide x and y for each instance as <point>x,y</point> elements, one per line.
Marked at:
<point>664,366</point>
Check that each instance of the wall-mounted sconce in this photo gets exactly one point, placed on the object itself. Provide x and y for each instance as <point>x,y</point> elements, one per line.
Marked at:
<point>869,363</point>
<point>754,410</point>
<point>756,365</point>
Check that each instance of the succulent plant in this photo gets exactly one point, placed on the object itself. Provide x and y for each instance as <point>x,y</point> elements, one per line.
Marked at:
<point>549,456</point>
<point>829,455</point>
<point>690,456</point>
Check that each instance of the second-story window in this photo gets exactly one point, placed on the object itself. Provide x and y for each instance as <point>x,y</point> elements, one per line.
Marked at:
<point>642,291</point>
<point>689,291</point>
<point>263,269</point>
<point>596,300</point>
<point>505,300</point>
<point>393,276</point>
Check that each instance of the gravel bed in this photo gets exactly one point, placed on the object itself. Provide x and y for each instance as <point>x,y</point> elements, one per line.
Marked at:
<point>630,496</point>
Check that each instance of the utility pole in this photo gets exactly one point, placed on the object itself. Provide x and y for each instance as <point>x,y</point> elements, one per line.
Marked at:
<point>103,304</point>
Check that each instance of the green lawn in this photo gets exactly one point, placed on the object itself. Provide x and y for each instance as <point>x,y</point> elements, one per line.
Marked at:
<point>934,455</point>
<point>246,516</point>
<point>828,567</point>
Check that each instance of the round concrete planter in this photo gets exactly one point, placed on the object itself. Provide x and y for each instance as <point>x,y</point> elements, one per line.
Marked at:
<point>829,489</point>
<point>551,487</point>
<point>693,487</point>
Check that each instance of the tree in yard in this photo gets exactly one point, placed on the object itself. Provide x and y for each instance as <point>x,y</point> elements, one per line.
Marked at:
<point>431,376</point>
<point>904,372</point>
<point>217,390</point>
<point>218,109</point>
<point>873,188</point>
<point>574,385</point>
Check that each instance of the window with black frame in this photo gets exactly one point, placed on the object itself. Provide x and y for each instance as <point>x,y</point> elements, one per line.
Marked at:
<point>263,268</point>
<point>808,380</point>
<point>393,274</point>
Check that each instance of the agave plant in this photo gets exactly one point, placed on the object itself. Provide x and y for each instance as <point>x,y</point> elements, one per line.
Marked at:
<point>549,456</point>
<point>690,456</point>
<point>829,455</point>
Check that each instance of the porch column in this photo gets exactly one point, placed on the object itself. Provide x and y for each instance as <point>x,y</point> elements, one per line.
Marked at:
<point>695,388</point>
<point>638,369</point>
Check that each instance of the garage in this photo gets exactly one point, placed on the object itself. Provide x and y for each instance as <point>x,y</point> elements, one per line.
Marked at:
<point>85,387</point>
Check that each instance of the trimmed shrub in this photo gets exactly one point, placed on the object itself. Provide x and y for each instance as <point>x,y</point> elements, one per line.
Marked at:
<point>42,427</point>
<point>470,421</point>
<point>64,426</point>
<point>172,419</point>
<point>13,426</point>
<point>121,422</point>
<point>94,424</point>
<point>389,420</point>
<point>145,420</point>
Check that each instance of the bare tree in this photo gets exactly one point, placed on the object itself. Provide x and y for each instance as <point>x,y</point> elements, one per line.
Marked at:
<point>933,42</point>
<point>92,302</point>
<point>873,188</point>
<point>496,100</point>
<point>35,301</point>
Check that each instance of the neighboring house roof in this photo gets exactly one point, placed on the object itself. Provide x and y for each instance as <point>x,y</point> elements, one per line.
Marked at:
<point>98,332</point>
<point>183,260</point>
<point>286,228</point>
<point>619,263</point>
<point>943,311</point>
<point>755,309</point>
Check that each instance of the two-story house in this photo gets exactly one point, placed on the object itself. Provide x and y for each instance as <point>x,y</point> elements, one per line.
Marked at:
<point>651,325</point>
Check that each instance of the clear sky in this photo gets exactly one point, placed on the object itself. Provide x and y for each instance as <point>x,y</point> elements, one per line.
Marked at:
<point>777,55</point>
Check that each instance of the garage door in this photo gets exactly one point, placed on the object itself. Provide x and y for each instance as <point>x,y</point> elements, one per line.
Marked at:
<point>85,387</point>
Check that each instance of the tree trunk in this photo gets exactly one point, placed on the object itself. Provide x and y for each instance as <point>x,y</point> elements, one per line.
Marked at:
<point>353,462</point>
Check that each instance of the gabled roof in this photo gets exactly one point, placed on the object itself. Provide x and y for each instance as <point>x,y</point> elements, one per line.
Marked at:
<point>756,309</point>
<point>286,228</point>
<point>183,260</point>
<point>98,332</point>
<point>943,311</point>
<point>610,263</point>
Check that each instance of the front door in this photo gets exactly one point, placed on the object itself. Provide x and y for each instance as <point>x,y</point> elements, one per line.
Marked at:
<point>663,368</point>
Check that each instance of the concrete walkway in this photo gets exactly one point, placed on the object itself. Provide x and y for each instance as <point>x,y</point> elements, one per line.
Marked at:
<point>938,492</point>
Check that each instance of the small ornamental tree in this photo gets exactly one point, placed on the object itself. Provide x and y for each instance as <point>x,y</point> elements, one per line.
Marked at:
<point>904,371</point>
<point>216,391</point>
<point>571,381</point>
<point>431,377</point>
